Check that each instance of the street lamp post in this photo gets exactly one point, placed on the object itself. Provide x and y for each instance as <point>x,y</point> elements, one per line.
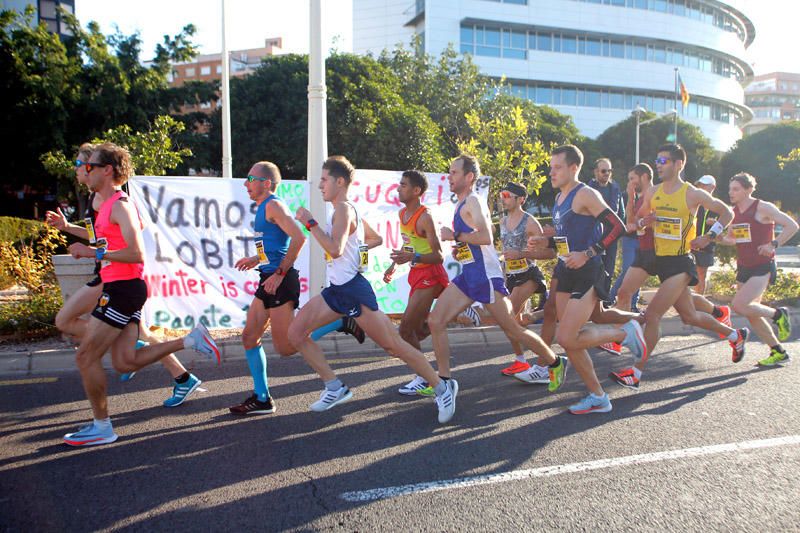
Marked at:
<point>225,90</point>
<point>639,122</point>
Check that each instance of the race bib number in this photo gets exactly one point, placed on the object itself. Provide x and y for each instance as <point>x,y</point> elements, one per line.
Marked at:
<point>262,256</point>
<point>562,246</point>
<point>408,249</point>
<point>464,254</point>
<point>516,266</point>
<point>363,257</point>
<point>668,228</point>
<point>741,233</point>
<point>328,257</point>
<point>90,229</point>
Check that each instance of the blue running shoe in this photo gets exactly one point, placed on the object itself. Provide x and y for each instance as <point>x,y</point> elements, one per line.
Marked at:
<point>127,376</point>
<point>634,339</point>
<point>203,343</point>
<point>90,435</point>
<point>591,404</point>
<point>181,391</point>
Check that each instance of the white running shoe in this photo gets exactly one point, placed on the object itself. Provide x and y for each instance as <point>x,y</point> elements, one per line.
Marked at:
<point>413,387</point>
<point>535,375</point>
<point>204,343</point>
<point>472,314</point>
<point>446,403</point>
<point>330,398</point>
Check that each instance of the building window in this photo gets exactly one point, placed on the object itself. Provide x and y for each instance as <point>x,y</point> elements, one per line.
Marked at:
<point>205,71</point>
<point>190,72</point>
<point>219,69</point>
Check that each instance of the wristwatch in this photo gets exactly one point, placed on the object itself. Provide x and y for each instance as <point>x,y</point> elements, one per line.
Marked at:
<point>99,253</point>
<point>590,253</point>
<point>417,257</point>
<point>310,224</point>
<point>774,243</point>
<point>279,271</point>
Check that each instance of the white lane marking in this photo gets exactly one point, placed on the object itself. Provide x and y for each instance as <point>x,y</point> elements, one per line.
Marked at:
<point>547,471</point>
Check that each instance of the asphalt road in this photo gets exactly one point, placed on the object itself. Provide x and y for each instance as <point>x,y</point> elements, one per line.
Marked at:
<point>197,468</point>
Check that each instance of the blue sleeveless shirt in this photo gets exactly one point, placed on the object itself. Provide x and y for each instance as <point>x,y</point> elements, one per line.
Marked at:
<point>483,263</point>
<point>276,241</point>
<point>581,231</point>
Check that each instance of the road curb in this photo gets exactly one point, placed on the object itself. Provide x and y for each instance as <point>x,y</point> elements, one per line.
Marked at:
<point>335,345</point>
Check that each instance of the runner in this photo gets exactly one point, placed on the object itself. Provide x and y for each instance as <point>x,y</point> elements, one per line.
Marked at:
<point>753,233</point>
<point>350,294</point>
<point>427,277</point>
<point>278,242</point>
<point>523,276</point>
<point>481,278</point>
<point>585,226</point>
<point>114,323</point>
<point>670,209</point>
<point>71,320</point>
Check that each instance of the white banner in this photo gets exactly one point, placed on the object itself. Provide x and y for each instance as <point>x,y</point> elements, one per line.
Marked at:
<point>197,228</point>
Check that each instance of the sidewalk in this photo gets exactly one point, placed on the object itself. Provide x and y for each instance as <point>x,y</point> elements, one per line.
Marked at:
<point>337,345</point>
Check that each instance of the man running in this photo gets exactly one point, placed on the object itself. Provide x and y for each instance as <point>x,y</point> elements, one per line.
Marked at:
<point>523,276</point>
<point>753,233</point>
<point>278,242</point>
<point>427,277</point>
<point>585,227</point>
<point>481,278</point>
<point>350,294</point>
<point>115,320</point>
<point>670,209</point>
<point>71,320</point>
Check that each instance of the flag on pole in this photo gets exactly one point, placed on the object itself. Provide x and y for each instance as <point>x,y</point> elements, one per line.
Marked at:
<point>684,93</point>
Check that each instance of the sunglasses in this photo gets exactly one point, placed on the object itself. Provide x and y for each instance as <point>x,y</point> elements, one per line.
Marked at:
<point>662,160</point>
<point>251,179</point>
<point>507,195</point>
<point>92,166</point>
<point>78,163</point>
<point>605,171</point>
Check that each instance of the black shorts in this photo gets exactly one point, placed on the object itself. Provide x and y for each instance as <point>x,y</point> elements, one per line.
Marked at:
<point>121,302</point>
<point>533,274</point>
<point>744,273</point>
<point>287,291</point>
<point>668,266</point>
<point>646,260</point>
<point>578,281</point>
<point>95,282</point>
<point>704,258</point>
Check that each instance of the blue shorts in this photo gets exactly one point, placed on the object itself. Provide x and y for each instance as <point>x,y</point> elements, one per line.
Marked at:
<point>483,291</point>
<point>347,299</point>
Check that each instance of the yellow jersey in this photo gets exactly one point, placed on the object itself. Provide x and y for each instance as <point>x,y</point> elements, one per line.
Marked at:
<point>675,227</point>
<point>412,241</point>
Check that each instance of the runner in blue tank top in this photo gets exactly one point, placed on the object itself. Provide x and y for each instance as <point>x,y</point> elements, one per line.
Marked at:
<point>481,278</point>
<point>585,227</point>
<point>278,241</point>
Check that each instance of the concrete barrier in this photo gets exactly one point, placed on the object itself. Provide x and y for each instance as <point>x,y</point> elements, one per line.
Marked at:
<point>72,274</point>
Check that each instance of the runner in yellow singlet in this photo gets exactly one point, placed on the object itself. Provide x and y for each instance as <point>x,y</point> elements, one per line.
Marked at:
<point>670,210</point>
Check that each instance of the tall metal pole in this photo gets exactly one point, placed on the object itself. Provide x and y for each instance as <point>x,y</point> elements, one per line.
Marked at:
<point>227,159</point>
<point>638,118</point>
<point>675,131</point>
<point>317,141</point>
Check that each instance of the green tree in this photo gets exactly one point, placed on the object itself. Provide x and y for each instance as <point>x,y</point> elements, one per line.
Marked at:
<point>758,155</point>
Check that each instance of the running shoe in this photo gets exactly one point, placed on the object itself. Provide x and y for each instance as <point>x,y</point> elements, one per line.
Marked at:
<point>614,348</point>
<point>738,345</point>
<point>515,368</point>
<point>413,387</point>
<point>784,324</point>
<point>90,435</point>
<point>350,327</point>
<point>446,403</point>
<point>203,343</point>
<point>252,406</point>
<point>591,404</point>
<point>331,398</point>
<point>181,391</point>
<point>428,392</point>
<point>472,314</point>
<point>775,358</point>
<point>534,375</point>
<point>625,378</point>
<point>725,318</point>
<point>634,339</point>
<point>127,376</point>
<point>558,374</point>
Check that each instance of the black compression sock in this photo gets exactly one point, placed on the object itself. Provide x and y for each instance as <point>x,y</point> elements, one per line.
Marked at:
<point>716,312</point>
<point>183,378</point>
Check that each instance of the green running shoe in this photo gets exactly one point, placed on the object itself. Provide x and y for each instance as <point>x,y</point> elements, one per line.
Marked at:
<point>427,392</point>
<point>784,324</point>
<point>775,358</point>
<point>558,374</point>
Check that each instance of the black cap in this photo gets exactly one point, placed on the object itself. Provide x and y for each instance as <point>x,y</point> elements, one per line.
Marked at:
<point>516,189</point>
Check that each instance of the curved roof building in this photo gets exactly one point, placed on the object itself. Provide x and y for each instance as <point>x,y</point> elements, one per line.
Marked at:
<point>595,60</point>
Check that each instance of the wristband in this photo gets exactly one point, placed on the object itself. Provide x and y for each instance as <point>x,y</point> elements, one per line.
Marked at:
<point>640,223</point>
<point>551,242</point>
<point>99,253</point>
<point>455,235</point>
<point>310,224</point>
<point>774,243</point>
<point>417,258</point>
<point>716,229</point>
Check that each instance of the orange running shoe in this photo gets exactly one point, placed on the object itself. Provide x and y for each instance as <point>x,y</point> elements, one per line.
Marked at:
<point>614,348</point>
<point>725,318</point>
<point>625,378</point>
<point>515,368</point>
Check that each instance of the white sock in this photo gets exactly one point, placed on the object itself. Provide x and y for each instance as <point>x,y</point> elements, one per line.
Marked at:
<point>733,336</point>
<point>102,424</point>
<point>599,397</point>
<point>637,373</point>
<point>521,358</point>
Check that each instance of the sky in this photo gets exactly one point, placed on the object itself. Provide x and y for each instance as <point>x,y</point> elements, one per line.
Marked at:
<point>250,22</point>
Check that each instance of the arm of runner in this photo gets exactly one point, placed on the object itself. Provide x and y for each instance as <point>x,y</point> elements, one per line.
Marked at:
<point>534,229</point>
<point>425,226</point>
<point>698,197</point>
<point>771,212</point>
<point>371,237</point>
<point>482,233</point>
<point>630,214</point>
<point>645,216</point>
<point>58,220</point>
<point>277,213</point>
<point>589,201</point>
<point>335,243</point>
